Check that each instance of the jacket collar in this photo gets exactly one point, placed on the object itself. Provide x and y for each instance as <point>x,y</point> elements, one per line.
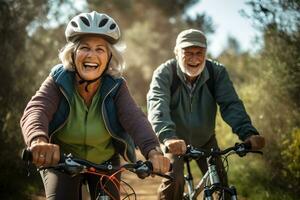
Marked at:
<point>65,79</point>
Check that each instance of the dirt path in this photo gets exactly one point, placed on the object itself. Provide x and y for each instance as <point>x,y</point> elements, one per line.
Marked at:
<point>145,189</point>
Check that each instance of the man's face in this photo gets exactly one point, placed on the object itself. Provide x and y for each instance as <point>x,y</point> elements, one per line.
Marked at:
<point>192,60</point>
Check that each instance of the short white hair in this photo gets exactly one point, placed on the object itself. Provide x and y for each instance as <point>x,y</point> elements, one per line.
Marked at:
<point>116,64</point>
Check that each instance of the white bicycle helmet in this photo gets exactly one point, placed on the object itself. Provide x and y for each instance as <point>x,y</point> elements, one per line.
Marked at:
<point>93,23</point>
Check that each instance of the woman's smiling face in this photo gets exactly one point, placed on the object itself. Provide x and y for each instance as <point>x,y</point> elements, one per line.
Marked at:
<point>91,57</point>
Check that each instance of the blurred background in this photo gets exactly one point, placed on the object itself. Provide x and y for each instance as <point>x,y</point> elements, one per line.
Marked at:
<point>262,59</point>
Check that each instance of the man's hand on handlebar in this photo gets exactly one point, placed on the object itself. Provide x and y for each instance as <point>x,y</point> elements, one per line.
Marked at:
<point>257,142</point>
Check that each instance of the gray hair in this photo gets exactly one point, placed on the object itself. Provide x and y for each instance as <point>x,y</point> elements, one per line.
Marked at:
<point>116,65</point>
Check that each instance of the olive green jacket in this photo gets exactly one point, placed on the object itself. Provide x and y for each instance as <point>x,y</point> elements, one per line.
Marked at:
<point>191,115</point>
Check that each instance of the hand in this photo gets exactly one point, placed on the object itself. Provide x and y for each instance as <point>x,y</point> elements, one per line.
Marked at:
<point>160,163</point>
<point>257,142</point>
<point>44,153</point>
<point>176,146</point>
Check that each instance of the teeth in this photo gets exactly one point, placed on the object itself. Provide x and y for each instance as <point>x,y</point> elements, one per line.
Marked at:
<point>91,64</point>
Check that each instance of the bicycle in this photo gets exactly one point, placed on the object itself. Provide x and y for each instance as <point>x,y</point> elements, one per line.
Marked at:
<point>74,166</point>
<point>210,182</point>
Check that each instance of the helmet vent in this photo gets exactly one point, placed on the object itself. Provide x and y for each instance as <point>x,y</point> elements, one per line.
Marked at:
<point>103,22</point>
<point>112,26</point>
<point>74,24</point>
<point>85,21</point>
<point>93,23</point>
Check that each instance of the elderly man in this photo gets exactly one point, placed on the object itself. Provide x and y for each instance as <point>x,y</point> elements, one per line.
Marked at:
<point>182,105</point>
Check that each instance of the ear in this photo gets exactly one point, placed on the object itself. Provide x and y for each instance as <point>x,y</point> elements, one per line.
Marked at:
<point>73,60</point>
<point>176,52</point>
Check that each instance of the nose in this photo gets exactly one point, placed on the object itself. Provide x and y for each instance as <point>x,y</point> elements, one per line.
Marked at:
<point>91,53</point>
<point>194,58</point>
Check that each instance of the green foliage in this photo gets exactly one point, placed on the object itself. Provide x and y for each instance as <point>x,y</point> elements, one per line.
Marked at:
<point>14,19</point>
<point>291,154</point>
<point>251,177</point>
<point>268,83</point>
<point>147,26</point>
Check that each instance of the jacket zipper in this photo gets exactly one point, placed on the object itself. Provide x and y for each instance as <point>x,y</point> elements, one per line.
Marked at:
<point>191,101</point>
<point>107,126</point>
<point>85,132</point>
<point>190,115</point>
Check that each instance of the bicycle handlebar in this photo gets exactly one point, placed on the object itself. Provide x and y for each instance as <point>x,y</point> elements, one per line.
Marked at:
<point>73,166</point>
<point>240,149</point>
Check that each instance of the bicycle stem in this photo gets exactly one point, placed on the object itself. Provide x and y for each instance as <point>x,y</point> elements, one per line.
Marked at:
<point>212,171</point>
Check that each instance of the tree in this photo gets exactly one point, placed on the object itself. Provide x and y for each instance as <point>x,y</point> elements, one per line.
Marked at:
<point>14,19</point>
<point>278,100</point>
<point>149,30</point>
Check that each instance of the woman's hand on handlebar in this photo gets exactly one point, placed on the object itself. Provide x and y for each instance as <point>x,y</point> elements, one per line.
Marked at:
<point>44,153</point>
<point>175,146</point>
<point>160,163</point>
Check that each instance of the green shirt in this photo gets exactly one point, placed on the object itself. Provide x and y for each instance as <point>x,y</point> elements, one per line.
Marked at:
<point>84,134</point>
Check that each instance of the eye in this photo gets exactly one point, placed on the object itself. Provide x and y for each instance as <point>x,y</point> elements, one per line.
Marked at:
<point>83,48</point>
<point>188,54</point>
<point>100,50</point>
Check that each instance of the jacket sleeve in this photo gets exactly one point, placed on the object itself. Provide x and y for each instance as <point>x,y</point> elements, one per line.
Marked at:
<point>158,103</point>
<point>231,107</point>
<point>134,121</point>
<point>39,111</point>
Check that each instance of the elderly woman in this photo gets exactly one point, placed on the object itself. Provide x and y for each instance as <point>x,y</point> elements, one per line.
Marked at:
<point>84,108</point>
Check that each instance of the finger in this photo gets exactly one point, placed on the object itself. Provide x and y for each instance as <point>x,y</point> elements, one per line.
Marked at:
<point>35,149</point>
<point>168,165</point>
<point>184,147</point>
<point>157,167</point>
<point>163,168</point>
<point>35,156</point>
<point>163,165</point>
<point>56,154</point>
<point>41,159</point>
<point>48,158</point>
<point>158,164</point>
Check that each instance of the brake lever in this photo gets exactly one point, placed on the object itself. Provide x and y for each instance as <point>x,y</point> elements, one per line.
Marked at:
<point>258,152</point>
<point>144,170</point>
<point>242,151</point>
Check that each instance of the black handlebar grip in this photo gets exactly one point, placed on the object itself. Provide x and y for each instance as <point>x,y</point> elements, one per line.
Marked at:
<point>166,149</point>
<point>247,145</point>
<point>149,165</point>
<point>26,155</point>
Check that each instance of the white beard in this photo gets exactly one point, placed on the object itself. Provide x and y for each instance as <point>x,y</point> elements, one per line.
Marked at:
<point>190,71</point>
